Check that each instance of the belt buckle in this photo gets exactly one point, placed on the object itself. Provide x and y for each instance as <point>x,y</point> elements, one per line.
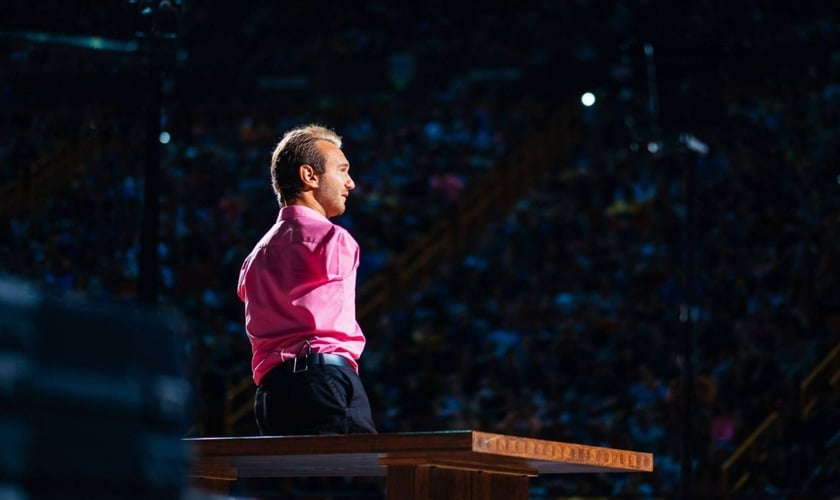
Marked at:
<point>295,365</point>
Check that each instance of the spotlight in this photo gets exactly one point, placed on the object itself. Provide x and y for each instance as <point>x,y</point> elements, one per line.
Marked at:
<point>694,144</point>
<point>587,99</point>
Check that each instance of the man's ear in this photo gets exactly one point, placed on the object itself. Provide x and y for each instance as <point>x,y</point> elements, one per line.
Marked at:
<point>308,176</point>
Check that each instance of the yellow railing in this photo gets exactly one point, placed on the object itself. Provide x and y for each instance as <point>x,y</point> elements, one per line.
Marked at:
<point>238,402</point>
<point>489,197</point>
<point>19,193</point>
<point>825,374</point>
<point>747,453</point>
<point>45,174</point>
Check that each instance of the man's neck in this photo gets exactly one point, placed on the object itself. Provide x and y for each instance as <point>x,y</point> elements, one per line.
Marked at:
<point>309,202</point>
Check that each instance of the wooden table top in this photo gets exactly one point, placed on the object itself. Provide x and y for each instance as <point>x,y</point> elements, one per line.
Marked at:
<point>369,454</point>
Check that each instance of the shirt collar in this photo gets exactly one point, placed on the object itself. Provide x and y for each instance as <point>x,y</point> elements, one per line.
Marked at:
<point>292,211</point>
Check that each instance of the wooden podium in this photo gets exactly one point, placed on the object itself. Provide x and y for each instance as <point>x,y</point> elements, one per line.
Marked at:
<point>449,465</point>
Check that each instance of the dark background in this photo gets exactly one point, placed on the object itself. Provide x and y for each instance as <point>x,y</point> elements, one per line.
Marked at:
<point>561,317</point>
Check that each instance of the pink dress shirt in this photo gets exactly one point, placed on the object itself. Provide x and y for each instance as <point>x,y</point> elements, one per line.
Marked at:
<point>299,283</point>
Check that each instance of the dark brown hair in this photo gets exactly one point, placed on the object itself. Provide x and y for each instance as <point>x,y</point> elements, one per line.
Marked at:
<point>298,147</point>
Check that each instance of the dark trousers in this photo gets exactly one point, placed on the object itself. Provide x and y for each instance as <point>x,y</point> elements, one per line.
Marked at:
<point>324,399</point>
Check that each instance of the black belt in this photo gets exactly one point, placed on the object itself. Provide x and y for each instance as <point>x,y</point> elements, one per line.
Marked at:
<point>302,363</point>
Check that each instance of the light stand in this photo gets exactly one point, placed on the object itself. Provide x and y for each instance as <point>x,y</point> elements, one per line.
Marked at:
<point>685,143</point>
<point>158,31</point>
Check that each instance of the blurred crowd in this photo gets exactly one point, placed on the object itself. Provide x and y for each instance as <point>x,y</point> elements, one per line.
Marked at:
<point>582,287</point>
<point>577,333</point>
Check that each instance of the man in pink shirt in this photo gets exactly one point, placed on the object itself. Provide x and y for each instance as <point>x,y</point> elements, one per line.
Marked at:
<point>299,289</point>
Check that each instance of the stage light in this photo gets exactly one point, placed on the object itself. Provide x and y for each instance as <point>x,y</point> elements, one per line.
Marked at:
<point>694,144</point>
<point>165,137</point>
<point>587,99</point>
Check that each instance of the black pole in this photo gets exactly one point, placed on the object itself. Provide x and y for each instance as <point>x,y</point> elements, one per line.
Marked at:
<point>687,309</point>
<point>149,236</point>
<point>688,316</point>
<point>157,34</point>
<point>653,93</point>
